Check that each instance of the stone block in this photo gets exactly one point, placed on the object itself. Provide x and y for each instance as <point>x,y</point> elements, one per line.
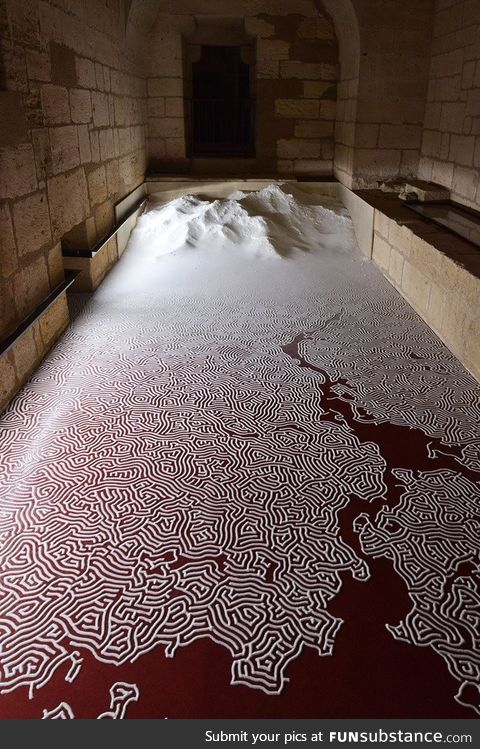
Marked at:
<point>99,76</point>
<point>256,26</point>
<point>113,178</point>
<point>400,136</point>
<point>296,148</point>
<point>13,123</point>
<point>100,107</point>
<point>436,307</point>
<point>55,265</point>
<point>314,129</point>
<point>84,144</point>
<point>400,237</point>
<point>377,163</point>
<point>317,167</point>
<point>85,73</point>
<point>97,185</point>
<point>366,135</point>
<point>302,70</point>
<point>268,69</point>
<point>68,200</point>
<point>327,110</point>
<point>462,149</point>
<point>14,69</point>
<point>381,252</point>
<point>104,218</point>
<point>416,287</point>
<point>166,127</point>
<point>80,106</point>
<point>25,355</point>
<point>453,325</point>
<point>107,149</point>
<point>272,49</point>
<point>8,253</point>
<point>18,174</point>
<point>433,113</point>
<point>382,224</point>
<point>63,67</point>
<point>55,104</point>
<point>452,117</point>
<point>64,148</point>
<point>174,106</point>
<point>95,145</point>
<point>471,347</point>
<point>31,286</point>
<point>298,108</point>
<point>465,182</point>
<point>54,321</point>
<point>175,148</point>
<point>8,379</point>
<point>165,87</point>
<point>442,173</point>
<point>156,107</point>
<point>31,220</point>
<point>395,267</point>
<point>124,140</point>
<point>316,89</point>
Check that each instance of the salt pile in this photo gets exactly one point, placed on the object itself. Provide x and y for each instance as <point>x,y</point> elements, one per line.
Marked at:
<point>273,222</point>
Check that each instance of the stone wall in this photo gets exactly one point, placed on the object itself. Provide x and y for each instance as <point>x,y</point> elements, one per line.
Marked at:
<point>437,273</point>
<point>296,72</point>
<point>393,75</point>
<point>451,135</point>
<point>72,143</point>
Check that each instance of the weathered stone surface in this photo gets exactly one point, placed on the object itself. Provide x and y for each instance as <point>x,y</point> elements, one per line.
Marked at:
<point>17,171</point>
<point>13,123</point>
<point>31,286</point>
<point>55,103</point>
<point>84,144</point>
<point>85,70</point>
<point>80,105</point>
<point>25,355</point>
<point>101,113</point>
<point>8,380</point>
<point>31,220</point>
<point>63,67</point>
<point>97,185</point>
<point>38,65</point>
<point>55,265</point>
<point>64,148</point>
<point>68,200</point>
<point>8,252</point>
<point>54,321</point>
<point>298,108</point>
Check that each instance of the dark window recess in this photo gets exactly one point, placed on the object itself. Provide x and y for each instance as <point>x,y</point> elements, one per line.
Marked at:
<point>222,111</point>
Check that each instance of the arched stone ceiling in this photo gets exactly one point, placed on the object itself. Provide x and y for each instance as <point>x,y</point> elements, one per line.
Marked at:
<point>143,14</point>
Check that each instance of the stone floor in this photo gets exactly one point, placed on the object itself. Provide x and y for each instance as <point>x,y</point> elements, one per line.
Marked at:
<point>264,468</point>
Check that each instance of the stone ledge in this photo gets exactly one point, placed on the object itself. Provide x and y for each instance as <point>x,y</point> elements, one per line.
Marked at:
<point>28,350</point>
<point>437,272</point>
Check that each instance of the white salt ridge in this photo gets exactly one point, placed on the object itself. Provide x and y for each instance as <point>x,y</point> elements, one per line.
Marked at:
<point>269,223</point>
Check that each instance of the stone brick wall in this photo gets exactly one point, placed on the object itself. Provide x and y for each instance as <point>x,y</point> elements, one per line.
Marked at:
<point>438,275</point>
<point>72,143</point>
<point>296,73</point>
<point>393,76</point>
<point>451,136</point>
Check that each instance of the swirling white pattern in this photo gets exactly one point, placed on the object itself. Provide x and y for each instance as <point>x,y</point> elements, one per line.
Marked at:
<point>433,539</point>
<point>172,473</point>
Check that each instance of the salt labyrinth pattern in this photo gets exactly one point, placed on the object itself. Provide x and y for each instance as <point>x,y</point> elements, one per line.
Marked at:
<point>121,695</point>
<point>172,472</point>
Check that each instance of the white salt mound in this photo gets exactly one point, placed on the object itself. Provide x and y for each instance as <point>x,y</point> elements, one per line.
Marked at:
<point>273,222</point>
